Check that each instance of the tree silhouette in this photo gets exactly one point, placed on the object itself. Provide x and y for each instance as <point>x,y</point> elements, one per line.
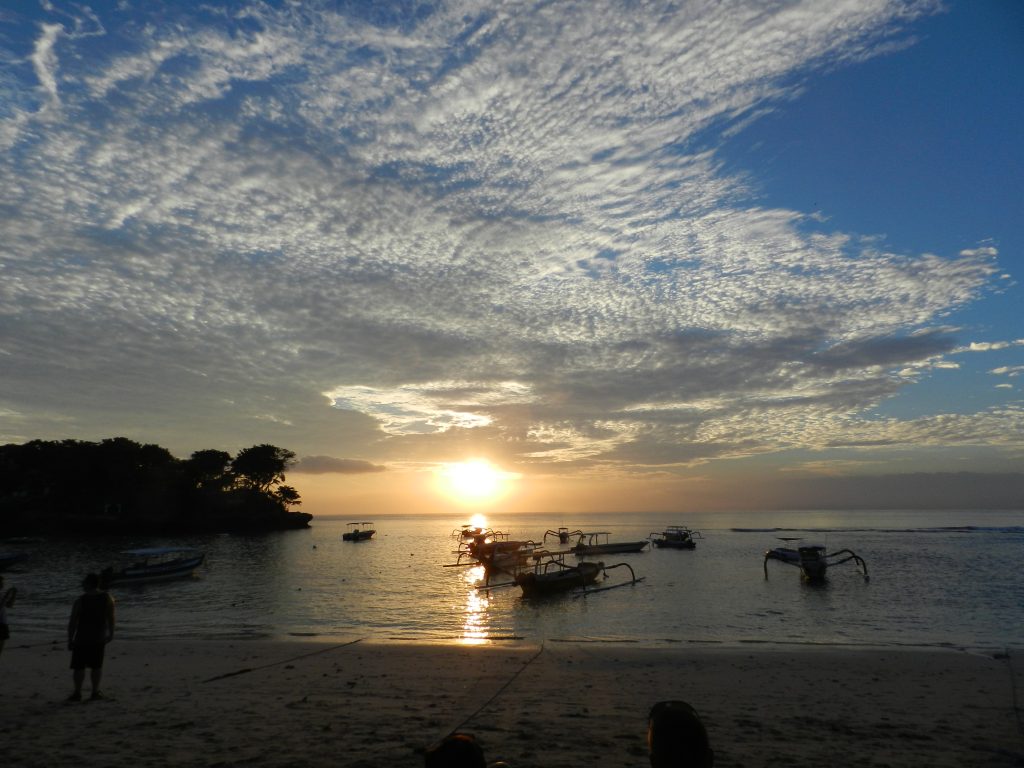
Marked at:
<point>119,485</point>
<point>261,466</point>
<point>288,495</point>
<point>208,470</point>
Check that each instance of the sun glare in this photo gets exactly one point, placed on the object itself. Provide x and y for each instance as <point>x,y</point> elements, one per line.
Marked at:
<point>474,480</point>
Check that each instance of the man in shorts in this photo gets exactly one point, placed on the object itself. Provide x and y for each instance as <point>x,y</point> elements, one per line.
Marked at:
<point>90,629</point>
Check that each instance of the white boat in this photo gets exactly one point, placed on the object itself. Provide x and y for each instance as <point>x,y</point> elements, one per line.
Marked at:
<point>599,543</point>
<point>357,533</point>
<point>155,564</point>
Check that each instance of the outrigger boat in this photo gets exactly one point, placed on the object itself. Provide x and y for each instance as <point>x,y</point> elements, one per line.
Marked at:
<point>154,564</point>
<point>551,576</point>
<point>357,533</point>
<point>598,543</point>
<point>496,552</point>
<point>675,537</point>
<point>812,560</point>
<point>563,534</point>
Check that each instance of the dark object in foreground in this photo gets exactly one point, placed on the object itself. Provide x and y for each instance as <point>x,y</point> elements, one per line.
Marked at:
<point>676,737</point>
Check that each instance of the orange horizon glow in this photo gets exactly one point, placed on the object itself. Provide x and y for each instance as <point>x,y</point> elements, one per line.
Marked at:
<point>473,481</point>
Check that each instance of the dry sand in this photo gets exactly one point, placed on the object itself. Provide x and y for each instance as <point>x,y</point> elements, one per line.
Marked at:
<point>256,703</point>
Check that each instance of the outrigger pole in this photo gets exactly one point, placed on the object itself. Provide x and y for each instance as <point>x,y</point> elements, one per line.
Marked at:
<point>634,580</point>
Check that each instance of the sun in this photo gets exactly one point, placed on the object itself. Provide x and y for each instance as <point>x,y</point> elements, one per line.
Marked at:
<point>474,480</point>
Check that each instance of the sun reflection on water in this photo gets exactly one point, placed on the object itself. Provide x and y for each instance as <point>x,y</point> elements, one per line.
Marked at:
<point>476,626</point>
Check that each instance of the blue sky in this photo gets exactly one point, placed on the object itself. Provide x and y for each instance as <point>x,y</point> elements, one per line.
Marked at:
<point>607,246</point>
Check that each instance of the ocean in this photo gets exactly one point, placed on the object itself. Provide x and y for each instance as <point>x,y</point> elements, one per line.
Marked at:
<point>943,579</point>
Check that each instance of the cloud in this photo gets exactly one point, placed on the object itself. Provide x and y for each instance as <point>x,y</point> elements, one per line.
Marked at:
<point>323,465</point>
<point>490,224</point>
<point>1008,370</point>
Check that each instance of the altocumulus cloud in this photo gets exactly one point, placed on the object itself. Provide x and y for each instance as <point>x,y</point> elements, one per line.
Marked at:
<point>477,217</point>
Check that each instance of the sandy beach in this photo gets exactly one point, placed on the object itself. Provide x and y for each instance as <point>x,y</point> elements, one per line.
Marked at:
<point>556,705</point>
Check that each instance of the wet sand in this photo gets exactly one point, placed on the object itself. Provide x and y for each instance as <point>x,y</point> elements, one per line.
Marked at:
<point>551,705</point>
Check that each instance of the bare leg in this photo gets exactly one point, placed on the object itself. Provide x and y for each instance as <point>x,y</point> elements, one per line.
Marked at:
<point>95,674</point>
<point>78,675</point>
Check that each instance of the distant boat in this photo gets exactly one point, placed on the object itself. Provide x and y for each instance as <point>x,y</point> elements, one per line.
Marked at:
<point>675,537</point>
<point>598,543</point>
<point>357,533</point>
<point>7,559</point>
<point>155,564</point>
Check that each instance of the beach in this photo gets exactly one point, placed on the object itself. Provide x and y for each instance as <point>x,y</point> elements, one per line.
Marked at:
<point>362,703</point>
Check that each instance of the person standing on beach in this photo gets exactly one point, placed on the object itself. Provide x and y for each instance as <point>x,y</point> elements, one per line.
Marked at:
<point>90,629</point>
<point>6,601</point>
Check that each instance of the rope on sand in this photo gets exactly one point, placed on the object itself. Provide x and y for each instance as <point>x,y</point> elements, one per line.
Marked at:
<point>284,661</point>
<point>498,693</point>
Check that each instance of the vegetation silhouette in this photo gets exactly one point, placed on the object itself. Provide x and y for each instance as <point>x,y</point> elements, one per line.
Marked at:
<point>120,486</point>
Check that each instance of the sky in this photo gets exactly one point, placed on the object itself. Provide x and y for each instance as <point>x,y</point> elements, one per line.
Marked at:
<point>525,256</point>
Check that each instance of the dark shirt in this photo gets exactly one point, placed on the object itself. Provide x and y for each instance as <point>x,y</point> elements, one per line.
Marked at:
<point>92,618</point>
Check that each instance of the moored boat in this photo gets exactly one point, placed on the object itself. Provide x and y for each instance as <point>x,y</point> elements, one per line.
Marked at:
<point>563,534</point>
<point>675,537</point>
<point>551,576</point>
<point>599,543</point>
<point>154,564</point>
<point>357,533</point>
<point>813,560</point>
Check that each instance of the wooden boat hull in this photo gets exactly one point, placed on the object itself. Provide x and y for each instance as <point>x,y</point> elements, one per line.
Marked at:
<point>810,560</point>
<point>670,544</point>
<point>557,582</point>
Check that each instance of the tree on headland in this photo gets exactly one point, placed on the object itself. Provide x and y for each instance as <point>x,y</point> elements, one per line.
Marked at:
<point>119,485</point>
<point>208,470</point>
<point>288,495</point>
<point>261,466</point>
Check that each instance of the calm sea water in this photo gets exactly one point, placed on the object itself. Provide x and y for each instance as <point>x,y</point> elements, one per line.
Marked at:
<point>936,579</point>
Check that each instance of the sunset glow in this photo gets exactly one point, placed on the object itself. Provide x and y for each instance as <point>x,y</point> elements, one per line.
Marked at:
<point>475,480</point>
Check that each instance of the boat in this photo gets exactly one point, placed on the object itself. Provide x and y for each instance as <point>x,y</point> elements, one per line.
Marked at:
<point>813,560</point>
<point>7,559</point>
<point>357,533</point>
<point>599,543</point>
<point>563,534</point>
<point>154,564</point>
<point>675,537</point>
<point>551,576</point>
<point>496,552</point>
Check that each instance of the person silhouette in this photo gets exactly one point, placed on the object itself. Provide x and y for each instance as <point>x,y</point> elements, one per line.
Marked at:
<point>458,750</point>
<point>676,737</point>
<point>6,601</point>
<point>90,628</point>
